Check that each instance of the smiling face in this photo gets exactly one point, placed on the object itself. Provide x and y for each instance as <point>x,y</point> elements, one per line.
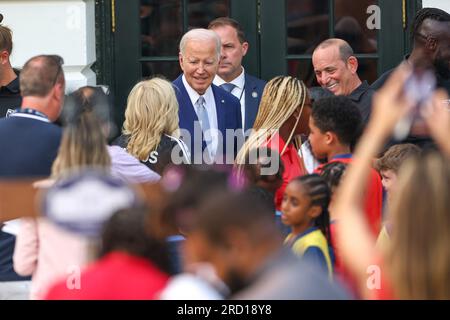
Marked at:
<point>199,63</point>
<point>233,51</point>
<point>333,73</point>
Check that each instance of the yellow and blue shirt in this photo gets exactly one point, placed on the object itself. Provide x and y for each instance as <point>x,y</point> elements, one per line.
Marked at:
<point>313,246</point>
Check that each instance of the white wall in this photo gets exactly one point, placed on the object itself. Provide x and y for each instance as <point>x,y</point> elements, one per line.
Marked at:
<point>63,27</point>
<point>441,4</point>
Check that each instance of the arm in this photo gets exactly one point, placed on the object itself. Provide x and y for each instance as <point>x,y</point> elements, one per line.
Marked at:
<point>437,118</point>
<point>355,242</point>
<point>27,247</point>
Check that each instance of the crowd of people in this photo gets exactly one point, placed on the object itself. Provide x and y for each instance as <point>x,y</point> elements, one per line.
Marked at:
<point>223,186</point>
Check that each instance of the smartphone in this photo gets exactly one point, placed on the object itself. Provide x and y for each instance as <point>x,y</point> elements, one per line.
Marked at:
<point>419,87</point>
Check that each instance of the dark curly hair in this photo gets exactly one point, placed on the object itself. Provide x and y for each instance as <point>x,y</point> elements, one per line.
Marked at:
<point>339,115</point>
<point>127,231</point>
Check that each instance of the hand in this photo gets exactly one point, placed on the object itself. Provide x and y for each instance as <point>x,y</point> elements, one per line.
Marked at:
<point>390,103</point>
<point>437,116</point>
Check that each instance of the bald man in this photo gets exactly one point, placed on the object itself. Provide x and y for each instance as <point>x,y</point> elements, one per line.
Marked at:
<point>336,69</point>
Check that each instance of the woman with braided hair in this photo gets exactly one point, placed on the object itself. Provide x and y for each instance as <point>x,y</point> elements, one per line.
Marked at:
<point>283,115</point>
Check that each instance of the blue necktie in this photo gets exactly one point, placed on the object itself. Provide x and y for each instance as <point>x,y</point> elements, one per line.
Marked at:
<point>202,114</point>
<point>228,87</point>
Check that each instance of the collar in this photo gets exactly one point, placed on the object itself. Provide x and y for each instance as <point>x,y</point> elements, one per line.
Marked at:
<point>276,141</point>
<point>292,239</point>
<point>13,86</point>
<point>193,95</point>
<point>342,156</point>
<point>239,81</point>
<point>359,91</point>
<point>30,113</point>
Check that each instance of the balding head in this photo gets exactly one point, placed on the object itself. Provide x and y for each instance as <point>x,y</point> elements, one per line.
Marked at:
<point>42,85</point>
<point>345,51</point>
<point>335,67</point>
<point>40,74</point>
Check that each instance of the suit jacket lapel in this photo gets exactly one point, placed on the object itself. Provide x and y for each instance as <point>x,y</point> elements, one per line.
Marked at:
<point>187,114</point>
<point>251,102</point>
<point>220,109</point>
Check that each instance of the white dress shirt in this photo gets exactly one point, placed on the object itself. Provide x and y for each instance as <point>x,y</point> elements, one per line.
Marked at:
<point>210,105</point>
<point>238,90</point>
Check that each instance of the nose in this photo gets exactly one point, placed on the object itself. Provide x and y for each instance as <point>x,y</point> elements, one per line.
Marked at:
<point>284,206</point>
<point>201,68</point>
<point>325,78</point>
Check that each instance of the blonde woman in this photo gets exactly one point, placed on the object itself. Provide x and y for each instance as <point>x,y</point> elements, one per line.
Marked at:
<point>283,115</point>
<point>150,130</point>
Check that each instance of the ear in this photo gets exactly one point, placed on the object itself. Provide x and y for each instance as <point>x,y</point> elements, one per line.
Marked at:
<point>180,59</point>
<point>244,48</point>
<point>4,56</point>
<point>431,43</point>
<point>314,211</point>
<point>58,92</point>
<point>330,137</point>
<point>352,64</point>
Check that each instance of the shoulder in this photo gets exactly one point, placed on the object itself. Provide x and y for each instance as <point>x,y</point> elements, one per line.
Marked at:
<point>224,96</point>
<point>381,80</point>
<point>314,238</point>
<point>121,141</point>
<point>168,141</point>
<point>254,81</point>
<point>178,85</point>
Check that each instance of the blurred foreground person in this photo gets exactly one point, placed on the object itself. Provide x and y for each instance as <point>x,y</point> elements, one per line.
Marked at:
<point>133,265</point>
<point>417,262</point>
<point>237,234</point>
<point>87,121</point>
<point>56,245</point>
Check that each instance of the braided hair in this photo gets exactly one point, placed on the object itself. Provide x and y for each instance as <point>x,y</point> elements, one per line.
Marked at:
<point>332,173</point>
<point>318,191</point>
<point>281,97</point>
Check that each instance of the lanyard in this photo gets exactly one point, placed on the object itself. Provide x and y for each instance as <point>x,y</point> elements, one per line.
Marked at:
<point>31,113</point>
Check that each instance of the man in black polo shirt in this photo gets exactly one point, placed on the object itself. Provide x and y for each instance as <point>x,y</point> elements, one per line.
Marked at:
<point>10,98</point>
<point>336,68</point>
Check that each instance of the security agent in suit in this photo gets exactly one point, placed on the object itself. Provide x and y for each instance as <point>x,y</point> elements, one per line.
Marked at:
<point>205,110</point>
<point>29,143</point>
<point>231,75</point>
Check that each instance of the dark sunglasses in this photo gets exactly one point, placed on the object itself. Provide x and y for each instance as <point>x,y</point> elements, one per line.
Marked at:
<point>59,61</point>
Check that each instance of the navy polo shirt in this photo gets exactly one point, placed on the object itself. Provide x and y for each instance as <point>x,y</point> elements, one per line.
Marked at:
<point>10,98</point>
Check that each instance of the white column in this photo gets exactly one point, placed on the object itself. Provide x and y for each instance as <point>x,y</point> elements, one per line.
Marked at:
<point>63,27</point>
<point>440,4</point>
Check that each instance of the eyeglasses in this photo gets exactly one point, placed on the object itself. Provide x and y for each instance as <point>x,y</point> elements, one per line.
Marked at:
<point>59,61</point>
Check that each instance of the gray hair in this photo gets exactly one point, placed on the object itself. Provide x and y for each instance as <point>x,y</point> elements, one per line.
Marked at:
<point>202,35</point>
<point>345,50</point>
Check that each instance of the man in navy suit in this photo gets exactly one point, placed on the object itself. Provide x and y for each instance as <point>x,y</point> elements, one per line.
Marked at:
<point>209,117</point>
<point>29,142</point>
<point>231,75</point>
